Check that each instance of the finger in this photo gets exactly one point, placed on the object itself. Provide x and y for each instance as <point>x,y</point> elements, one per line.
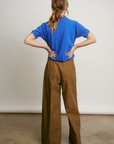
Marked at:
<point>51,55</point>
<point>53,51</point>
<point>54,54</point>
<point>68,54</point>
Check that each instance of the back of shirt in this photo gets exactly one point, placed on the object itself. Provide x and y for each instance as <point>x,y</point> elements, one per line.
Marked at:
<point>63,39</point>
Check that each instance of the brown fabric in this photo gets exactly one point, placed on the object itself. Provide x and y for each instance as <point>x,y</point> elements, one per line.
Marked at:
<point>59,75</point>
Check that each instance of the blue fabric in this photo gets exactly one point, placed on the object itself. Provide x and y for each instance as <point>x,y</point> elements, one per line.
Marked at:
<point>63,39</point>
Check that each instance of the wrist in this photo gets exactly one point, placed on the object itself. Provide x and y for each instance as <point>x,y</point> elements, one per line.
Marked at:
<point>75,46</point>
<point>46,47</point>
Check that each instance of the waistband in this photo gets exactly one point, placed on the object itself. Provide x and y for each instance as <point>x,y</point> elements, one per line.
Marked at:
<point>49,59</point>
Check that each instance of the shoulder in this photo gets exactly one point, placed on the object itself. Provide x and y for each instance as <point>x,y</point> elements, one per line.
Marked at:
<point>71,21</point>
<point>43,24</point>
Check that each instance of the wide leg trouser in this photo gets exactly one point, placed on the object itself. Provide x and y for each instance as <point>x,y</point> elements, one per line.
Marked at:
<point>57,74</point>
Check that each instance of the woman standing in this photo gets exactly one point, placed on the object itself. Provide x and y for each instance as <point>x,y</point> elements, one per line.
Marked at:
<point>60,34</point>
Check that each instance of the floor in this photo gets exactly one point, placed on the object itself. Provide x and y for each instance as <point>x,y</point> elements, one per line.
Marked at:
<point>26,129</point>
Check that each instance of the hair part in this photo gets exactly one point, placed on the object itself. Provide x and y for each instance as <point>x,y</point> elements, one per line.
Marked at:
<point>58,6</point>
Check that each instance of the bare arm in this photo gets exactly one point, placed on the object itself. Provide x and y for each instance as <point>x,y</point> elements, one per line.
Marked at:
<point>90,39</point>
<point>29,40</point>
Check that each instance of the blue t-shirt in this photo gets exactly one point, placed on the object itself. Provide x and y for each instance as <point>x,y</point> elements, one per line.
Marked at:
<point>63,39</point>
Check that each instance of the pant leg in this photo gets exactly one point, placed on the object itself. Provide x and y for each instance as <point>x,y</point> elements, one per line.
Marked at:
<point>69,94</point>
<point>51,111</point>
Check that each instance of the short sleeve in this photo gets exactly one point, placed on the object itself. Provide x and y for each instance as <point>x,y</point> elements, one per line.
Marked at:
<point>80,30</point>
<point>39,31</point>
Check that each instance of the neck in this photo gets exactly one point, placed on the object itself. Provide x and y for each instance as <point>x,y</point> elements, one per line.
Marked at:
<point>63,14</point>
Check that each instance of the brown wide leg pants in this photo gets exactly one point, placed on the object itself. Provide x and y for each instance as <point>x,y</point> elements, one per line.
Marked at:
<point>59,74</point>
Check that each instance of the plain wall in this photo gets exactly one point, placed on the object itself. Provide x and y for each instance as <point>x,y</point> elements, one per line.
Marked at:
<point>22,66</point>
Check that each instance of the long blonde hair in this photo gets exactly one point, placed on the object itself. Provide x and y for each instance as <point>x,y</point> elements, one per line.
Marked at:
<point>57,7</point>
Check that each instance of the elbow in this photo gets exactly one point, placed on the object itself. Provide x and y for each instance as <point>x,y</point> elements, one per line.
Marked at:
<point>25,41</point>
<point>29,38</point>
<point>94,40</point>
<point>92,37</point>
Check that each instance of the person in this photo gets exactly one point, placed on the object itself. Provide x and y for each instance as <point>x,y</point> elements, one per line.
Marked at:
<point>60,33</point>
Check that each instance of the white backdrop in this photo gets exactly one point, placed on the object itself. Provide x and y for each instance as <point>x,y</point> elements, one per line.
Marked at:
<point>22,66</point>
